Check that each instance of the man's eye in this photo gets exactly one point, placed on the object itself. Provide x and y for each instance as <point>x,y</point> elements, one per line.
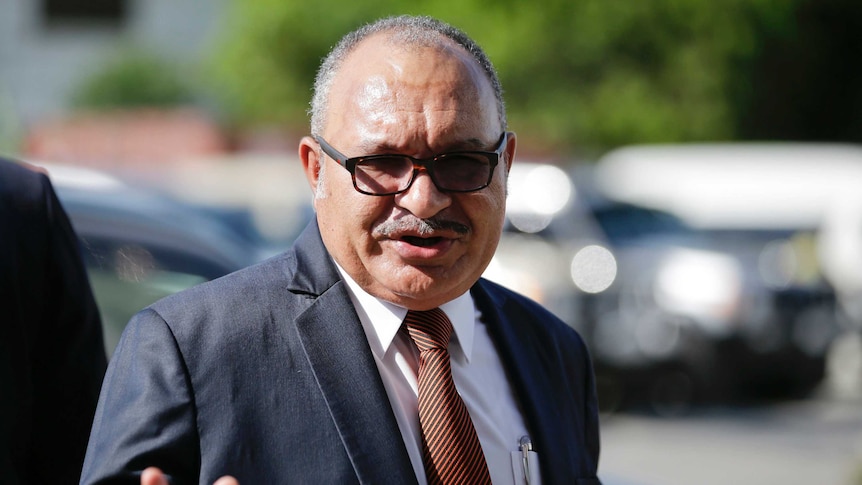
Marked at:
<point>386,166</point>
<point>463,165</point>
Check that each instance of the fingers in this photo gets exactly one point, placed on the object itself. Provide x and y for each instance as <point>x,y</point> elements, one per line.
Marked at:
<point>153,476</point>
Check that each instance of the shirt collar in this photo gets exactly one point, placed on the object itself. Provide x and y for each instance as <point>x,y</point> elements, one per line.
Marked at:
<point>385,318</point>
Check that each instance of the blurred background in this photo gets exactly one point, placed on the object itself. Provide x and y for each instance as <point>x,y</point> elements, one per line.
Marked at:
<point>687,194</point>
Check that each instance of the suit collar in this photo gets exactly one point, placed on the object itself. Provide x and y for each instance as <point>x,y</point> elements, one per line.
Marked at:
<point>337,350</point>
<point>313,270</point>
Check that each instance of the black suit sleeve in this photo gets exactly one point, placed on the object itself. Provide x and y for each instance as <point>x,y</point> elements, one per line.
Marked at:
<point>52,341</point>
<point>146,415</point>
<point>70,366</point>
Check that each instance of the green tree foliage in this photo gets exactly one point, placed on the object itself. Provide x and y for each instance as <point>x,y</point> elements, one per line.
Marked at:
<point>272,48</point>
<point>579,75</point>
<point>134,78</point>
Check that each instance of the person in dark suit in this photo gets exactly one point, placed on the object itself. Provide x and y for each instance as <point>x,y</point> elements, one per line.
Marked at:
<point>305,368</point>
<point>52,356</point>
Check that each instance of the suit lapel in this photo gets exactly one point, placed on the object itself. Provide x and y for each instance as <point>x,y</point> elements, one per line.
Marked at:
<point>337,350</point>
<point>522,357</point>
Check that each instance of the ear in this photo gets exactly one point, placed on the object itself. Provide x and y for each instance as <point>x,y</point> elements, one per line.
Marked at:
<point>311,161</point>
<point>511,143</point>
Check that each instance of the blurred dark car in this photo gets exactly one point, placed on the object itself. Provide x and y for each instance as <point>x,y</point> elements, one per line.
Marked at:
<point>709,315</point>
<point>675,315</point>
<point>140,245</point>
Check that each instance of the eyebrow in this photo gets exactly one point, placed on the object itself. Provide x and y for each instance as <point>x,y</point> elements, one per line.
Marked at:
<point>470,144</point>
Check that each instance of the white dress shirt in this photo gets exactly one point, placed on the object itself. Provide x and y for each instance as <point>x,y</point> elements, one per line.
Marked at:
<point>476,369</point>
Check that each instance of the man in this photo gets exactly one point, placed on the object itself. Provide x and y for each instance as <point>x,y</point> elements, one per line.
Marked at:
<point>52,357</point>
<point>299,369</point>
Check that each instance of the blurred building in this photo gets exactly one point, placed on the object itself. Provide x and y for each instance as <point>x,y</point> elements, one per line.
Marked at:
<point>50,48</point>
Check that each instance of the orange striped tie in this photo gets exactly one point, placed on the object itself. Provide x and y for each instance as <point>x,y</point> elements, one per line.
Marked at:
<point>452,452</point>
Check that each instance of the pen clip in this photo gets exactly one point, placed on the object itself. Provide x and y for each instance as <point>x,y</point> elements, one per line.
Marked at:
<point>526,447</point>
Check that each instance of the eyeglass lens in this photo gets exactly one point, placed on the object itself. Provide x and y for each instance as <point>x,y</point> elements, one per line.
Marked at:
<point>452,172</point>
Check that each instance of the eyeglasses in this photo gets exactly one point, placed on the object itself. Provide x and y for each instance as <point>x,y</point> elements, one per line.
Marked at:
<point>464,171</point>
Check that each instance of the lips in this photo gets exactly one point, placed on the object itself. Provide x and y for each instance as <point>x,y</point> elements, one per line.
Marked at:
<point>422,250</point>
<point>423,242</point>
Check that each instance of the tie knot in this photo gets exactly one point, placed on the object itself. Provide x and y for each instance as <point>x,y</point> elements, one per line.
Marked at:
<point>429,329</point>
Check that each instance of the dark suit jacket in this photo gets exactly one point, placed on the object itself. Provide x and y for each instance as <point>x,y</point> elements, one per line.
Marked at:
<point>266,375</point>
<point>52,358</point>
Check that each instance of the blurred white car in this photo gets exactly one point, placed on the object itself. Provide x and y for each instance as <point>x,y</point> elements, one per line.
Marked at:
<point>772,205</point>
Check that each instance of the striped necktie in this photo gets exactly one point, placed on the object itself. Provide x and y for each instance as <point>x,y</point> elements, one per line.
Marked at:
<point>452,452</point>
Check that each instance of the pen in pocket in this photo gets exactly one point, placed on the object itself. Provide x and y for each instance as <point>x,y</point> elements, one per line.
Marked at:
<point>526,447</point>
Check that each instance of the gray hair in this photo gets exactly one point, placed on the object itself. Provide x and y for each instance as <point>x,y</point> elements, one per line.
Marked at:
<point>406,30</point>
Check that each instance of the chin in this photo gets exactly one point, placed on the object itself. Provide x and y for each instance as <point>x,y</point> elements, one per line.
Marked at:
<point>437,286</point>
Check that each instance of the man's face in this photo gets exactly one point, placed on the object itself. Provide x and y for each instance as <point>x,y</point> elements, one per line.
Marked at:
<point>420,102</point>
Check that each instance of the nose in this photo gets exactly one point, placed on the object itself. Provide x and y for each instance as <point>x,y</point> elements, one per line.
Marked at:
<point>423,199</point>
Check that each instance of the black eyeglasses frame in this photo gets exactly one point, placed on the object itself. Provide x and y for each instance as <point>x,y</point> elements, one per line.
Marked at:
<point>427,164</point>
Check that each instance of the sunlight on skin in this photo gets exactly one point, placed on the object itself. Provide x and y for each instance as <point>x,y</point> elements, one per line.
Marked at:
<point>398,101</point>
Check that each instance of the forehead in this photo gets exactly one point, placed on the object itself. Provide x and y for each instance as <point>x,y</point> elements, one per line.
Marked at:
<point>433,84</point>
<point>386,49</point>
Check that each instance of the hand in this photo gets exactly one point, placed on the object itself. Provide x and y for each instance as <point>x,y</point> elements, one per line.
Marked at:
<point>154,476</point>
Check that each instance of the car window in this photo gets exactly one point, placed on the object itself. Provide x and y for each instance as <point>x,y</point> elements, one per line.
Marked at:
<point>127,277</point>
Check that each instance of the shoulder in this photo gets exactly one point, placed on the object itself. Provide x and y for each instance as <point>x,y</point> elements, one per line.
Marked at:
<point>277,288</point>
<point>240,291</point>
<point>517,310</point>
<point>22,187</point>
<point>285,284</point>
<point>258,298</point>
<point>17,171</point>
<point>487,292</point>
<point>31,211</point>
<point>220,320</point>
<point>29,206</point>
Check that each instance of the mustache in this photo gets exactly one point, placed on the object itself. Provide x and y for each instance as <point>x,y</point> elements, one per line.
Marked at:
<point>423,227</point>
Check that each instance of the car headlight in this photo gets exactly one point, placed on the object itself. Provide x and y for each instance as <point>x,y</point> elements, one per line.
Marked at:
<point>704,285</point>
